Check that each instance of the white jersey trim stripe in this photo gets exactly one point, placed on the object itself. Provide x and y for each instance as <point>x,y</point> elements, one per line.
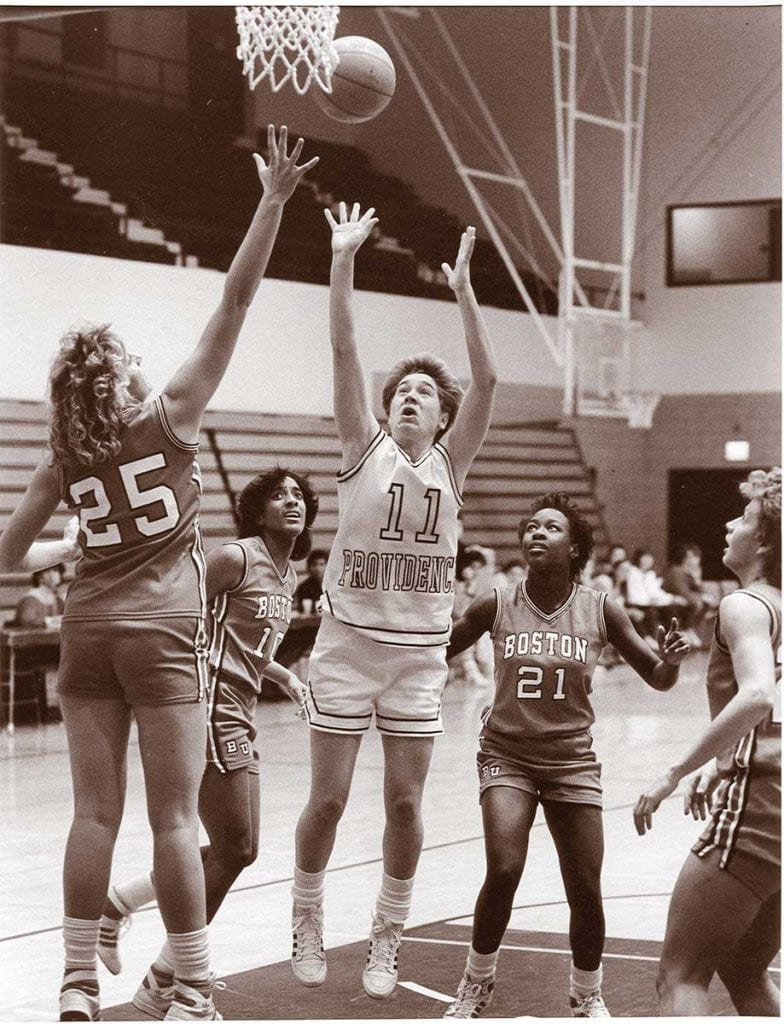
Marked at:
<point>443,452</point>
<point>352,470</point>
<point>186,446</point>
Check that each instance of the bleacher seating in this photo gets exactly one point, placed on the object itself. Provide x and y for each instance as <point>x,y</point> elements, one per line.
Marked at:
<point>193,182</point>
<point>516,463</point>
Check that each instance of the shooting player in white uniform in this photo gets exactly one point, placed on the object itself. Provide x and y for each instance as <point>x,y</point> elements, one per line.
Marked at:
<point>388,592</point>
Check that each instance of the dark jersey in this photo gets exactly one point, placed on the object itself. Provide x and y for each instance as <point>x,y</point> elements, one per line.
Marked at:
<point>142,555</point>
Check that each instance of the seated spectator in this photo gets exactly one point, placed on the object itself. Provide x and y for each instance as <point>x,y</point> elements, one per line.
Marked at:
<point>683,578</point>
<point>645,595</point>
<point>598,574</point>
<point>308,593</point>
<point>512,571</point>
<point>475,664</point>
<point>619,563</point>
<point>44,600</point>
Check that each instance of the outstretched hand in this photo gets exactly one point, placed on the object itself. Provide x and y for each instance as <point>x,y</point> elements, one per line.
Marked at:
<point>350,232</point>
<point>650,800</point>
<point>673,645</point>
<point>280,175</point>
<point>702,786</point>
<point>459,279</point>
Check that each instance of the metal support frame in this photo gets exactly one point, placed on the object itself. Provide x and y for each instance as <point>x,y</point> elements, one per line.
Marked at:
<point>571,69</point>
<point>564,343</point>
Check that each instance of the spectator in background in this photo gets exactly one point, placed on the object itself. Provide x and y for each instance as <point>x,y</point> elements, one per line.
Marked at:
<point>473,665</point>
<point>683,578</point>
<point>308,593</point>
<point>44,600</point>
<point>513,572</point>
<point>645,596</point>
<point>619,563</point>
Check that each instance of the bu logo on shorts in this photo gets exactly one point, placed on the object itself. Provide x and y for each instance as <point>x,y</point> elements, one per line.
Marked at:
<point>490,771</point>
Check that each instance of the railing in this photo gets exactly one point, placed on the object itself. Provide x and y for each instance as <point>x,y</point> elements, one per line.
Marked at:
<point>128,72</point>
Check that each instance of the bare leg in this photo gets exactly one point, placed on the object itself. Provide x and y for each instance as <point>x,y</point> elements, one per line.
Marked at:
<point>709,913</point>
<point>97,732</point>
<point>172,741</point>
<point>332,760</point>
<point>229,810</point>
<point>579,838</point>
<point>507,816</point>
<point>406,763</point>
<point>745,970</point>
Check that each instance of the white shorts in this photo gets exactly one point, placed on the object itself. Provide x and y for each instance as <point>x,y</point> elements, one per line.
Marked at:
<point>351,676</point>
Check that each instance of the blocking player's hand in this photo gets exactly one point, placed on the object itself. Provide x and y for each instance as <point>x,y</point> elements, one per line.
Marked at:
<point>702,786</point>
<point>279,173</point>
<point>349,232</point>
<point>459,279</point>
<point>673,645</point>
<point>649,802</point>
<point>295,690</point>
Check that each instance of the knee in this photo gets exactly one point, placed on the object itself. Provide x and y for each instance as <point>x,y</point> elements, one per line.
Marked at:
<point>403,809</point>
<point>326,809</point>
<point>674,974</point>
<point>106,816</point>
<point>236,853</point>
<point>503,877</point>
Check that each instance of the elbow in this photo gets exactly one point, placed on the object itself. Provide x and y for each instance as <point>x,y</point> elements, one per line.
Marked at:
<point>762,699</point>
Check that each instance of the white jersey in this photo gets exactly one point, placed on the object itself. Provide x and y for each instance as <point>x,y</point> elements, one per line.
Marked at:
<point>391,569</point>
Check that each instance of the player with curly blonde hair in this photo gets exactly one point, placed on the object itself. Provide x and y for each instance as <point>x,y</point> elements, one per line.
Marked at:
<point>133,628</point>
<point>724,916</point>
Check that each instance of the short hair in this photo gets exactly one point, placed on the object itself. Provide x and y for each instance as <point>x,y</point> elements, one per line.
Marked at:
<point>255,495</point>
<point>38,575</point>
<point>316,555</point>
<point>765,486</point>
<point>513,563</point>
<point>683,549</point>
<point>450,393</point>
<point>638,555</point>
<point>580,530</point>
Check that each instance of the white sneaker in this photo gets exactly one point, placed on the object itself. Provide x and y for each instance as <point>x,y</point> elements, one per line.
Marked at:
<point>308,960</point>
<point>473,997</point>
<point>110,932</point>
<point>155,994</point>
<point>380,975</point>
<point>591,1005</point>
<point>79,998</point>
<point>191,1004</point>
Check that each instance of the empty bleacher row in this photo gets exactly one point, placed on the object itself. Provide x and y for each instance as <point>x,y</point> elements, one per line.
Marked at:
<point>516,463</point>
<point>190,189</point>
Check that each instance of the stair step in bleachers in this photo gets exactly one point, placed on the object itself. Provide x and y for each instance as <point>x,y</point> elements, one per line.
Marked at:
<point>515,465</point>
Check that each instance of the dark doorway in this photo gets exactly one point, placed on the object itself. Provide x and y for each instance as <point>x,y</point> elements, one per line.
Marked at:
<point>700,503</point>
<point>215,73</point>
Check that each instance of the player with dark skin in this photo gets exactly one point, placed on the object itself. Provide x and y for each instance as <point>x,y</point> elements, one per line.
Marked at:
<point>555,542</point>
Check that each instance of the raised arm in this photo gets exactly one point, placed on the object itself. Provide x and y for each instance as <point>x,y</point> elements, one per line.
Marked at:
<point>745,626</point>
<point>194,384</point>
<point>19,550</point>
<point>473,418</point>
<point>354,419</point>
<point>660,673</point>
<point>476,620</point>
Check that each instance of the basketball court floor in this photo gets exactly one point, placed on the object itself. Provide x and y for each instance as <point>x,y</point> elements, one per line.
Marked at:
<point>637,732</point>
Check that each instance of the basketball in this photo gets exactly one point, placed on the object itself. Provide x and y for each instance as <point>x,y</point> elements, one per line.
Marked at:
<point>363,83</point>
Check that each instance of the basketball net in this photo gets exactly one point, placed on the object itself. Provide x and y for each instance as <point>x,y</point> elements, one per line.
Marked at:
<point>640,407</point>
<point>288,44</point>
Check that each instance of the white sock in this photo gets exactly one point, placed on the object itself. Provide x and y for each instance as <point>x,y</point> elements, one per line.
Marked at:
<point>164,961</point>
<point>80,939</point>
<point>190,953</point>
<point>308,887</point>
<point>481,965</point>
<point>583,983</point>
<point>394,899</point>
<point>133,895</point>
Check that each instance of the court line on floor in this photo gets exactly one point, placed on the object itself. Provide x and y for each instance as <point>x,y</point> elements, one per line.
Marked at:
<point>290,878</point>
<point>412,986</point>
<point>540,949</point>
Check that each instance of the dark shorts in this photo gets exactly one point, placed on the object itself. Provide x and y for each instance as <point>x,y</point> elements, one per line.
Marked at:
<point>566,771</point>
<point>140,661</point>
<point>745,830</point>
<point>231,727</point>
